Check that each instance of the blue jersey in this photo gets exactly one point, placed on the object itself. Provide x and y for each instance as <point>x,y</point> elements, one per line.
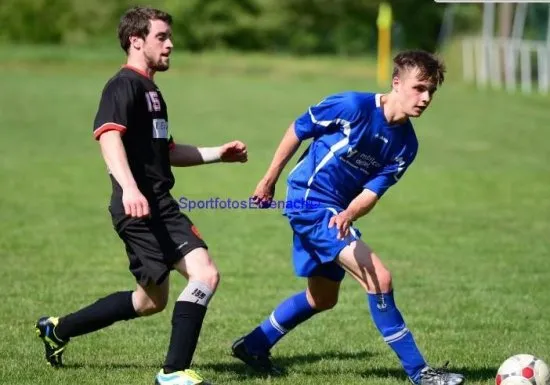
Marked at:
<point>353,148</point>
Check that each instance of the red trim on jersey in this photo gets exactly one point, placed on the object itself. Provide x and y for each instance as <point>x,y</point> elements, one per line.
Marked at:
<point>171,146</point>
<point>196,231</point>
<point>135,69</point>
<point>109,127</point>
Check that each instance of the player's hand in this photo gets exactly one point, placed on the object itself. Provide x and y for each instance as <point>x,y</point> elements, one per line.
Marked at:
<point>135,204</point>
<point>342,221</point>
<point>234,152</point>
<point>264,193</point>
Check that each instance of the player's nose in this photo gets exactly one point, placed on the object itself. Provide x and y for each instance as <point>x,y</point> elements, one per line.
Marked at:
<point>426,97</point>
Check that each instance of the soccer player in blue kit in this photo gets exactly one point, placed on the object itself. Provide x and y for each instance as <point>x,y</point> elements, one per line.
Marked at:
<point>362,144</point>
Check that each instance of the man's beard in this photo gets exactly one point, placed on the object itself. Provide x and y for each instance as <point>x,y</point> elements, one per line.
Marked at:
<point>157,66</point>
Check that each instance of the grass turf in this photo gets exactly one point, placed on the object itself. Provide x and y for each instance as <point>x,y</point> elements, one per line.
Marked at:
<point>465,232</point>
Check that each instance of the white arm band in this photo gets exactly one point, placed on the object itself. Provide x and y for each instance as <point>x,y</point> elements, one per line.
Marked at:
<point>210,154</point>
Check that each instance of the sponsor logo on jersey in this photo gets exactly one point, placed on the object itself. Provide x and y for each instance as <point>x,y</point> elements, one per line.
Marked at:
<point>160,129</point>
<point>364,162</point>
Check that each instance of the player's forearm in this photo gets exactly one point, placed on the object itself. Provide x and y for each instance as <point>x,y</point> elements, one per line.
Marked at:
<point>115,157</point>
<point>288,146</point>
<point>361,205</point>
<point>185,155</point>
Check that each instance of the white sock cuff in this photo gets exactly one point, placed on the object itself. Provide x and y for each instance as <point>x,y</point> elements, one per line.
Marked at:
<point>196,292</point>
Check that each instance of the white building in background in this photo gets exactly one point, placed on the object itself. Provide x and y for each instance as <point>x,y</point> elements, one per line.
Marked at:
<point>511,62</point>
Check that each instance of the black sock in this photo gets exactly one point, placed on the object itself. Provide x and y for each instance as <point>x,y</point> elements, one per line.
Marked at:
<point>186,327</point>
<point>102,313</point>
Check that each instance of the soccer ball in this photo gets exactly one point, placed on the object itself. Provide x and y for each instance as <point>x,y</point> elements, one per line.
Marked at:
<point>523,369</point>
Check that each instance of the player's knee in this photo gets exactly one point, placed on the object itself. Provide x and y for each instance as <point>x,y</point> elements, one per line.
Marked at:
<point>209,275</point>
<point>382,280</point>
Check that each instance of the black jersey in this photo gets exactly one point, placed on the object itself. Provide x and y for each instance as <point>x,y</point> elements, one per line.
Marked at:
<point>132,104</point>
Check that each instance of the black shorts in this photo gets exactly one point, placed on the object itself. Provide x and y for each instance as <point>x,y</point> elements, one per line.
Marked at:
<point>155,244</point>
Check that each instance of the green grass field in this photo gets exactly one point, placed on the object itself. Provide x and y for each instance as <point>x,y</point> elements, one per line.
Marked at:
<point>466,233</point>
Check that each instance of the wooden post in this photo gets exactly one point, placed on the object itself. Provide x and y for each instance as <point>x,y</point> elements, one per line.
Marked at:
<point>384,43</point>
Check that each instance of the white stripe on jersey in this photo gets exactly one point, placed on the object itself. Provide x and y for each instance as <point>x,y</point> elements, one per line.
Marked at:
<point>335,147</point>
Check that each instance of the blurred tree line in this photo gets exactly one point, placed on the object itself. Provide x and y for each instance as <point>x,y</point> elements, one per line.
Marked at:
<point>344,27</point>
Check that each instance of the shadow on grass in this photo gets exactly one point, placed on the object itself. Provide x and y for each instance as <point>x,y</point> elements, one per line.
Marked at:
<point>241,370</point>
<point>113,365</point>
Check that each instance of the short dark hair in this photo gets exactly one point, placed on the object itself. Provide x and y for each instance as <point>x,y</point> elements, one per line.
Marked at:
<point>430,66</point>
<point>137,22</point>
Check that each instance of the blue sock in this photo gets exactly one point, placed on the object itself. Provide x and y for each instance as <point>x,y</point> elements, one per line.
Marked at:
<point>391,325</point>
<point>289,314</point>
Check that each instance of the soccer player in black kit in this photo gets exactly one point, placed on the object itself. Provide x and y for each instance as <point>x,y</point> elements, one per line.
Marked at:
<point>131,126</point>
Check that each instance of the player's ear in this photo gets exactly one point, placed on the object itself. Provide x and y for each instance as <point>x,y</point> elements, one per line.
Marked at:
<point>395,83</point>
<point>136,42</point>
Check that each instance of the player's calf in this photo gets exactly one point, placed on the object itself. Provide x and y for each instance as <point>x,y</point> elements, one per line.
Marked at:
<point>367,268</point>
<point>150,299</point>
<point>322,293</point>
<point>253,349</point>
<point>187,318</point>
<point>147,307</point>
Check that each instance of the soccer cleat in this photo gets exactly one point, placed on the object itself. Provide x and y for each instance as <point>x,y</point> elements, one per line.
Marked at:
<point>54,346</point>
<point>440,376</point>
<point>182,377</point>
<point>259,362</point>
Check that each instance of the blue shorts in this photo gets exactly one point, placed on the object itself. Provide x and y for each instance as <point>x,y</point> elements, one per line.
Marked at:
<point>315,246</point>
